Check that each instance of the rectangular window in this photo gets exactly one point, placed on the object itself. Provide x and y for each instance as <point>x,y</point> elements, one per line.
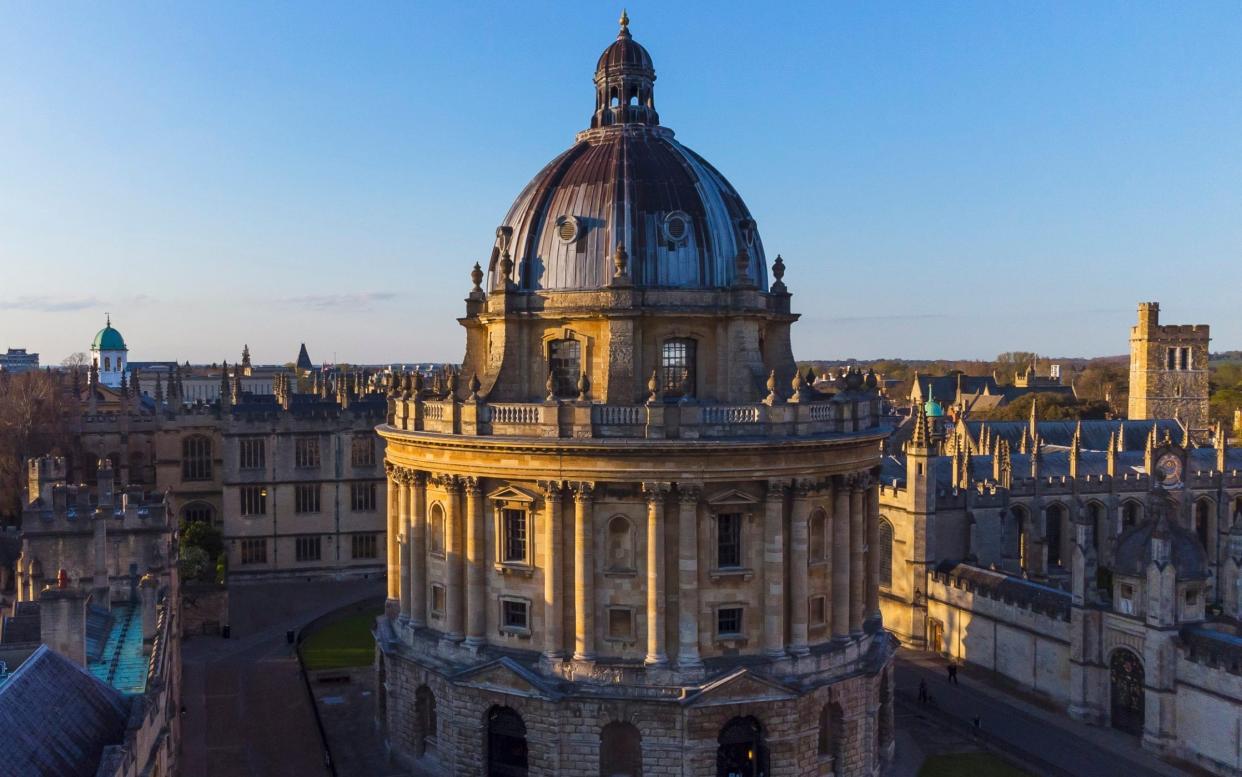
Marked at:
<point>729,540</point>
<point>306,452</point>
<point>437,600</point>
<point>515,616</point>
<point>253,500</point>
<point>1191,597</point>
<point>252,453</point>
<point>1126,605</point>
<point>620,623</point>
<point>1171,359</point>
<point>513,524</point>
<point>254,550</point>
<point>364,546</point>
<point>819,611</point>
<point>362,450</point>
<point>307,549</point>
<point>565,363</point>
<point>362,497</point>
<point>677,368</point>
<point>1184,361</point>
<point>729,622</point>
<point>306,498</point>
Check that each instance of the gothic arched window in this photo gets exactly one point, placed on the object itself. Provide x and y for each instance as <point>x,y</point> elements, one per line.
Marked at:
<point>196,458</point>
<point>885,552</point>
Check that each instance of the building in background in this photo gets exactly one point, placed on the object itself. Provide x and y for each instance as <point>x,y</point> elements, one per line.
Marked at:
<point>109,355</point>
<point>632,536</point>
<point>1169,372</point>
<point>16,360</point>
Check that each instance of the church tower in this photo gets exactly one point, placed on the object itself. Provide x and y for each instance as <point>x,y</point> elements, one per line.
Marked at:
<point>1168,369</point>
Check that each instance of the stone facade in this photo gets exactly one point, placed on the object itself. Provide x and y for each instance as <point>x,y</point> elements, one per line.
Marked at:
<point>621,540</point>
<point>1168,369</point>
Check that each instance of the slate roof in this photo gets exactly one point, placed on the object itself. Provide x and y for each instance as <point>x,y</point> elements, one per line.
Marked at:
<point>1008,588</point>
<point>1095,434</point>
<point>56,718</point>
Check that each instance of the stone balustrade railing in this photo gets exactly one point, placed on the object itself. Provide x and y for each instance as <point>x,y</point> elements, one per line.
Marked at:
<point>844,413</point>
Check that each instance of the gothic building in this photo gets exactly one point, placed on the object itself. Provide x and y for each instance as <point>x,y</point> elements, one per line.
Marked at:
<point>633,539</point>
<point>1168,369</point>
<point>1094,562</point>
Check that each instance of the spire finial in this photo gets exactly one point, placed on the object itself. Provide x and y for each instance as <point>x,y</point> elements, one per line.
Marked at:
<point>625,22</point>
<point>107,319</point>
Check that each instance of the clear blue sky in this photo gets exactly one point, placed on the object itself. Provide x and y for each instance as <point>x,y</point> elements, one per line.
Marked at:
<point>943,179</point>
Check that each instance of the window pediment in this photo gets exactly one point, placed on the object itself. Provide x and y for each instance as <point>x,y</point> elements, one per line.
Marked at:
<point>511,494</point>
<point>732,497</point>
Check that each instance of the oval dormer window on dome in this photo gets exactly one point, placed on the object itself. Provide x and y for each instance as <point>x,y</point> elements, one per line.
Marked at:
<point>568,229</point>
<point>676,226</point>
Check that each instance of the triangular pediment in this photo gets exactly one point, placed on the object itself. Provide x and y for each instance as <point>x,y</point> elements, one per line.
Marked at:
<point>506,676</point>
<point>732,497</point>
<point>511,494</point>
<point>741,686</point>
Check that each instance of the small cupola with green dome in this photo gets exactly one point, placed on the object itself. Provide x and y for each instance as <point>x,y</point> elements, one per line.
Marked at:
<point>109,354</point>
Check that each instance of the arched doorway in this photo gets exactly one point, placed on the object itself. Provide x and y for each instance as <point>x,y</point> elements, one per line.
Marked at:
<point>741,752</point>
<point>1125,674</point>
<point>506,743</point>
<point>620,750</point>
<point>425,719</point>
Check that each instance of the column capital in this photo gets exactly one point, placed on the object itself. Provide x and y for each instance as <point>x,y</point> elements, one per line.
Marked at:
<point>655,490</point>
<point>778,489</point>
<point>472,486</point>
<point>390,468</point>
<point>551,489</point>
<point>583,490</point>
<point>689,493</point>
<point>450,483</point>
<point>418,478</point>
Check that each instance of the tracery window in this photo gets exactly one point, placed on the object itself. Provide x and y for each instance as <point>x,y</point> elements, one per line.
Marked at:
<point>677,359</point>
<point>886,553</point>
<point>196,458</point>
<point>565,364</point>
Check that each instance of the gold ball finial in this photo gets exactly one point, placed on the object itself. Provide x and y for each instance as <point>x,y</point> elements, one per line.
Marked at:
<point>625,21</point>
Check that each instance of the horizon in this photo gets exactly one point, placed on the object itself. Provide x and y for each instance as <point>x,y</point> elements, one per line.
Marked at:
<point>997,179</point>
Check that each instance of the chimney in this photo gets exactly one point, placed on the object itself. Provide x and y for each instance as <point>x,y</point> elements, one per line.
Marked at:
<point>62,619</point>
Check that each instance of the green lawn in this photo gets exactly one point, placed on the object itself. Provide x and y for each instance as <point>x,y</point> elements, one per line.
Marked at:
<point>968,765</point>
<point>348,642</point>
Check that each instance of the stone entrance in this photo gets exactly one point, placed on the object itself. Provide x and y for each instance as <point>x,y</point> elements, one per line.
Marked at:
<point>1126,684</point>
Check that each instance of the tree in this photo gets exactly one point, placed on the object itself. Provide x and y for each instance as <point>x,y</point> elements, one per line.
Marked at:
<point>1051,407</point>
<point>33,422</point>
<point>75,360</point>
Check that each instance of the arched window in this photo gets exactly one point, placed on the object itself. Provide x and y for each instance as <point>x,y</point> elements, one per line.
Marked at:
<point>425,720</point>
<point>819,534</point>
<point>1052,533</point>
<point>1097,513</point>
<point>198,512</point>
<point>1019,522</point>
<point>831,732</point>
<point>107,363</point>
<point>741,750</point>
<point>437,529</point>
<point>565,365</point>
<point>885,552</point>
<point>1131,514</point>
<point>1203,516</point>
<point>620,545</point>
<point>677,359</point>
<point>506,743</point>
<point>620,751</point>
<point>196,458</point>
<point>1126,691</point>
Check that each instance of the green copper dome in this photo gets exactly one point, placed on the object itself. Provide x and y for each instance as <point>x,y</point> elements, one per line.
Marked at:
<point>108,339</point>
<point>932,407</point>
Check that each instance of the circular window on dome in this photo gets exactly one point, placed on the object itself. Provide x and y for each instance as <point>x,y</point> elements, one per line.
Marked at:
<point>568,229</point>
<point>676,226</point>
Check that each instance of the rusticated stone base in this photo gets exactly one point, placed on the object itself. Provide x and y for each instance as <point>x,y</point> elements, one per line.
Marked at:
<point>677,728</point>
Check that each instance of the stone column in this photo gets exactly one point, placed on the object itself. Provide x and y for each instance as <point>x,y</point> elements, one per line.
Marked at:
<point>476,567</point>
<point>858,540</point>
<point>873,551</point>
<point>401,481</point>
<point>799,569</point>
<point>840,558</point>
<point>688,576</point>
<point>584,574</point>
<point>774,569</point>
<point>393,530</point>
<point>454,555</point>
<point>655,493</point>
<point>553,610</point>
<point>418,549</point>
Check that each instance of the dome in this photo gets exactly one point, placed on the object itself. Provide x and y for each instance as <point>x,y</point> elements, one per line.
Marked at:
<point>626,181</point>
<point>1135,546</point>
<point>932,407</point>
<point>108,339</point>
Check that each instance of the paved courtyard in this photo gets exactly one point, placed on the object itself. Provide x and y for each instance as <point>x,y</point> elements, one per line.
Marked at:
<point>247,711</point>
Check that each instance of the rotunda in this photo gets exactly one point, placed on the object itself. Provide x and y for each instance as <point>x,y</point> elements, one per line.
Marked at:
<point>109,354</point>
<point>628,537</point>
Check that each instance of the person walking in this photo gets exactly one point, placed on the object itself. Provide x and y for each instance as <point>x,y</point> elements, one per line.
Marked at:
<point>922,691</point>
<point>953,673</point>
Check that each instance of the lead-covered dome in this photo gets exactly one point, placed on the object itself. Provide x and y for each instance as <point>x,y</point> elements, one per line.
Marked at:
<point>627,182</point>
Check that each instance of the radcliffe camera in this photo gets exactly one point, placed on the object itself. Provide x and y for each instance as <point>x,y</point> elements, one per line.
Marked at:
<point>441,390</point>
